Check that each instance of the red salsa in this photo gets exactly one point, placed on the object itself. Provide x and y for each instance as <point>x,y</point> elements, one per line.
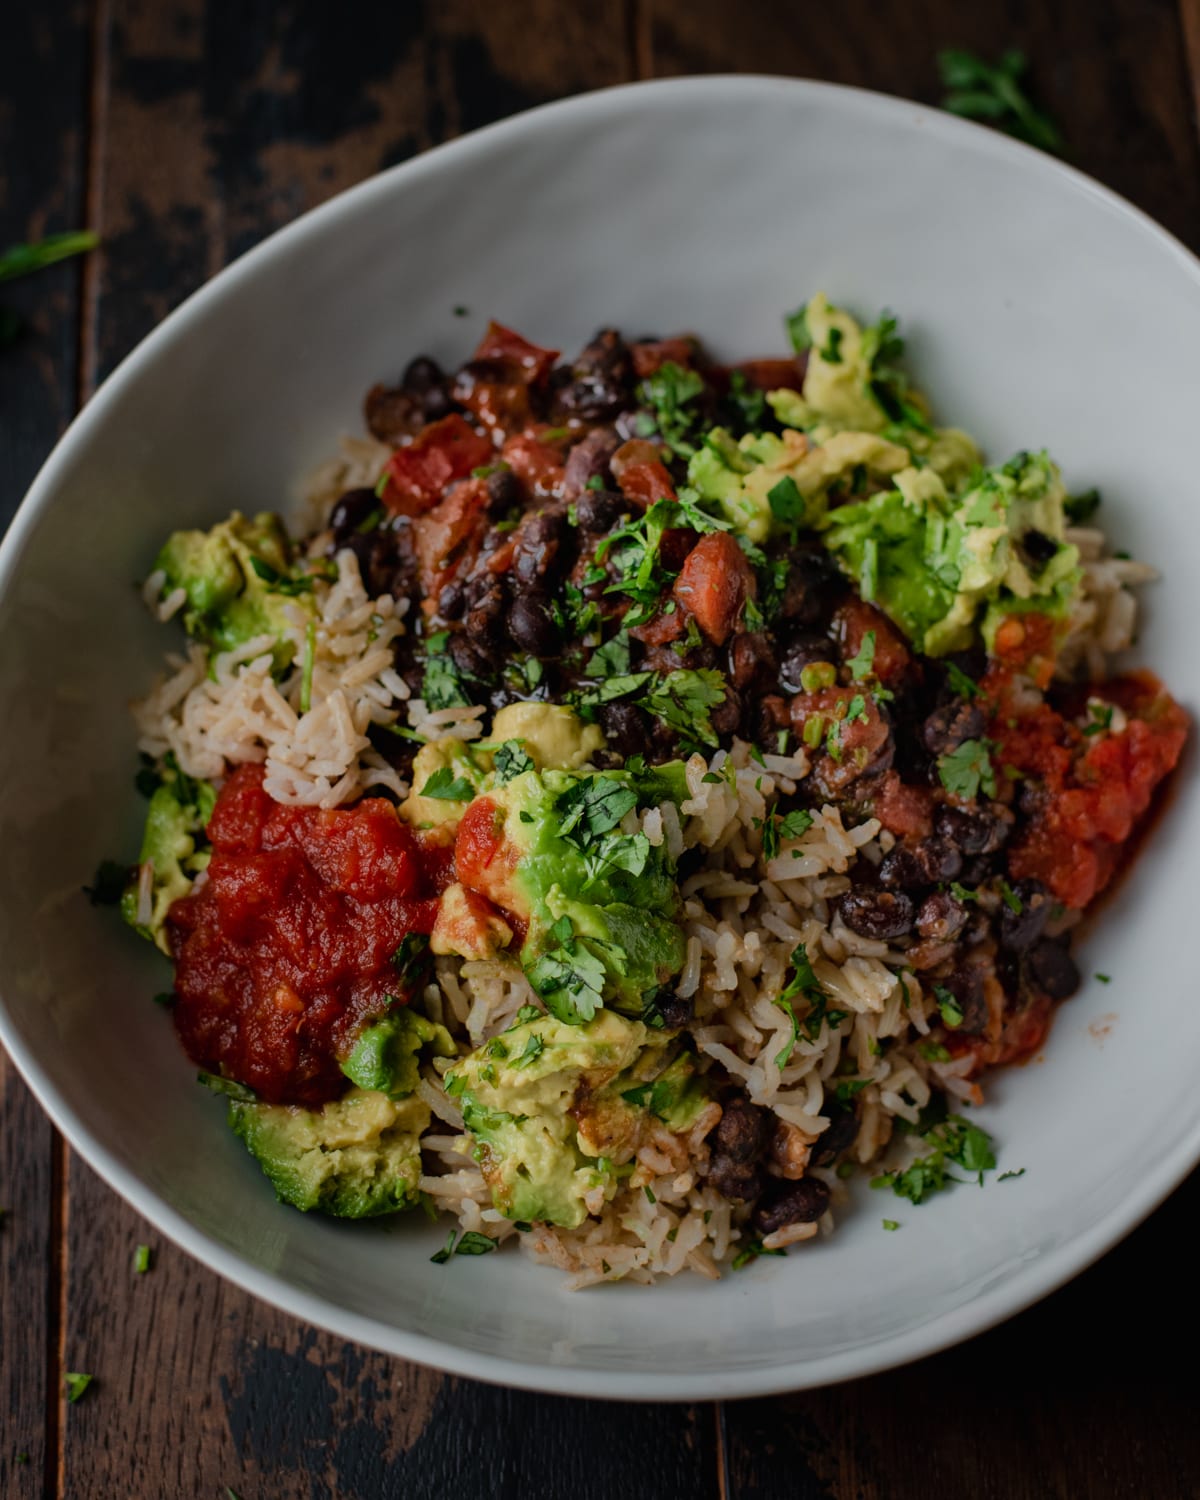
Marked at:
<point>285,950</point>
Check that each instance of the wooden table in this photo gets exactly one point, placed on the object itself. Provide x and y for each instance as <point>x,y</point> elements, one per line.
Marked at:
<point>184,132</point>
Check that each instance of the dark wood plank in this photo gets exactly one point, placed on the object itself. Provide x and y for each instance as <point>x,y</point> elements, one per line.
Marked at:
<point>1111,71</point>
<point>213,131</point>
<point>1189,15</point>
<point>42,134</point>
<point>1081,1397</point>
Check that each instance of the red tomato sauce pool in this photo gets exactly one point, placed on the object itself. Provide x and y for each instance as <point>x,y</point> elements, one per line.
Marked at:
<point>285,950</point>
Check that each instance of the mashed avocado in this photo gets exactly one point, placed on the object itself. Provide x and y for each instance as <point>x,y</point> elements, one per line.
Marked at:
<point>944,566</point>
<point>386,1055</point>
<point>357,1157</point>
<point>237,580</point>
<point>598,899</point>
<point>173,846</point>
<point>557,1112</point>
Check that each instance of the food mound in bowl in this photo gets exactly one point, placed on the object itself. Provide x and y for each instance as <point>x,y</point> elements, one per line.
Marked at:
<point>650,793</point>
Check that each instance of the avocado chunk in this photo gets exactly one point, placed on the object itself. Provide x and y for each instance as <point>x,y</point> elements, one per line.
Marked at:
<point>949,568</point>
<point>238,582</point>
<point>557,1112</point>
<point>174,847</point>
<point>355,1158</point>
<point>599,902</point>
<point>386,1056</point>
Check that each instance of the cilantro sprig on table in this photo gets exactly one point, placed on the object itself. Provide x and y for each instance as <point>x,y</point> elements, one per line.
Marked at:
<point>996,93</point>
<point>22,260</point>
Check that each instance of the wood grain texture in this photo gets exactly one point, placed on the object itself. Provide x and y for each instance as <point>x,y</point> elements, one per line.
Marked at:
<point>41,192</point>
<point>207,125</point>
<point>1112,72</point>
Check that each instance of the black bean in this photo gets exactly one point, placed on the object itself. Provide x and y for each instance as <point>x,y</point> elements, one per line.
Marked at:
<point>452,600</point>
<point>589,460</point>
<point>941,917</point>
<point>350,512</point>
<point>598,511</point>
<point>392,414</point>
<point>531,625</point>
<point>597,385</point>
<point>726,716</point>
<point>752,661</point>
<point>538,544</point>
<point>624,728</point>
<point>469,655</point>
<point>1052,969</point>
<point>785,1203</point>
<point>740,1181</point>
<point>422,375</point>
<point>948,726</point>
<point>742,1132</point>
<point>877,914</point>
<point>838,1135</point>
<point>376,560</point>
<point>812,587</point>
<point>980,830</point>
<point>910,866</point>
<point>1038,548</point>
<point>504,492</point>
<point>966,985</point>
<point>804,650</point>
<point>1021,928</point>
<point>675,1010</point>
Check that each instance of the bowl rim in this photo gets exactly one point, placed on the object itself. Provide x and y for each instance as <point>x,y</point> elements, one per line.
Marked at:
<point>1019,1290</point>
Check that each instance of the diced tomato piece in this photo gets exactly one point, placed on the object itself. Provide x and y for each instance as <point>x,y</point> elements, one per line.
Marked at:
<point>772,374</point>
<point>450,533</point>
<point>646,483</point>
<point>650,355</point>
<point>484,860</point>
<point>1027,643</point>
<point>714,585</point>
<point>906,811</point>
<point>853,621</point>
<point>444,451</point>
<point>662,629</point>
<point>536,464</point>
<point>500,343</point>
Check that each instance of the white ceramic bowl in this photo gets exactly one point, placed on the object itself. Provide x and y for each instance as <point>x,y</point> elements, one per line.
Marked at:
<point>1041,310</point>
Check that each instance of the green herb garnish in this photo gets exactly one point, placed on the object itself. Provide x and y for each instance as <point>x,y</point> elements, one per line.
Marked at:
<point>964,770</point>
<point>76,1383</point>
<point>445,786</point>
<point>995,93</point>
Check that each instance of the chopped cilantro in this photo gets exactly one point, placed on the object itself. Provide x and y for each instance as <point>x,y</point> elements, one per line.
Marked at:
<point>995,93</point>
<point>594,483</point>
<point>1008,1176</point>
<point>511,760</point>
<point>682,700</point>
<point>933,1052</point>
<point>797,328</point>
<point>280,583</point>
<point>1011,899</point>
<point>141,1259</point>
<point>775,829</point>
<point>20,260</point>
<point>1100,717</point>
<point>748,403</point>
<point>227,1086</point>
<point>961,892</point>
<point>410,957</point>
<point>751,1250</point>
<point>783,1056</point>
<point>611,659</point>
<point>862,663</point>
<point>591,807</point>
<point>444,786</point>
<point>569,978</point>
<point>1081,508</point>
<point>671,393</point>
<point>954,1141</point>
<point>1104,978</point>
<point>526,1013</point>
<point>847,1088</point>
<point>440,1257</point>
<point>310,661</point>
<point>474,1243</point>
<point>649,1192</point>
<point>805,984</point>
<point>951,1010</point>
<point>960,683</point>
<point>786,501</point>
<point>76,1383</point>
<point>444,686</point>
<point>891,1224</point>
<point>964,770</point>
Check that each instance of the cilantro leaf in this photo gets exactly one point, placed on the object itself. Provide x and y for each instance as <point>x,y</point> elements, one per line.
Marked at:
<point>76,1383</point>
<point>682,700</point>
<point>443,686</point>
<point>444,786</point>
<point>960,683</point>
<point>995,92</point>
<point>751,1250</point>
<point>440,1257</point>
<point>786,501</point>
<point>951,1010</point>
<point>797,329</point>
<point>1081,508</point>
<point>748,403</point>
<point>474,1243</point>
<point>671,392</point>
<point>964,770</point>
<point>611,659</point>
<point>20,260</point>
<point>141,1259</point>
<point>862,663</point>
<point>593,807</point>
<point>410,957</point>
<point>511,760</point>
<point>570,979</point>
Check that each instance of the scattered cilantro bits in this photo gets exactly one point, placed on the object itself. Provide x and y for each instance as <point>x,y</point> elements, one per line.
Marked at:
<point>471,1242</point>
<point>891,1224</point>
<point>76,1384</point>
<point>955,1142</point>
<point>968,769</point>
<point>995,93</point>
<point>141,1259</point>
